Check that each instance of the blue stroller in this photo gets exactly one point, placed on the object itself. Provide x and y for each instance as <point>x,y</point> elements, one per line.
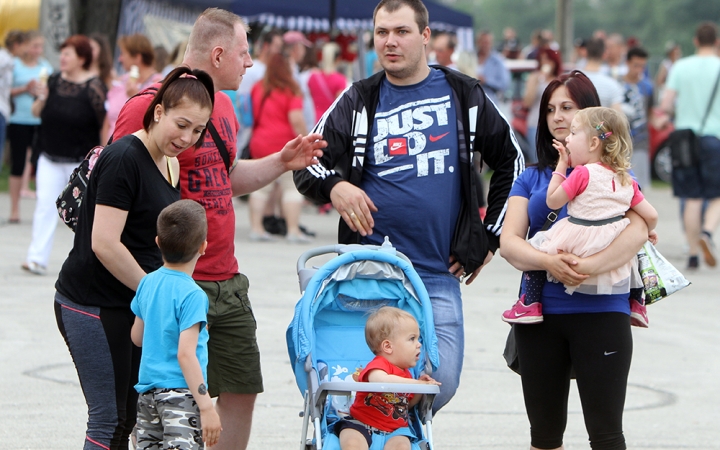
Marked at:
<point>326,339</point>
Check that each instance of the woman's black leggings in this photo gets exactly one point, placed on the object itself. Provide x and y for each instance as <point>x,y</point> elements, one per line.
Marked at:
<point>107,364</point>
<point>21,138</point>
<point>599,347</point>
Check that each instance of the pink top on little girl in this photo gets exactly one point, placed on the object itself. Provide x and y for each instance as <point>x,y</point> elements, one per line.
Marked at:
<point>607,197</point>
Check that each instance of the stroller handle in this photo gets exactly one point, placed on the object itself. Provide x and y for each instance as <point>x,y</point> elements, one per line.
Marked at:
<point>339,249</point>
<point>306,273</point>
<point>313,252</point>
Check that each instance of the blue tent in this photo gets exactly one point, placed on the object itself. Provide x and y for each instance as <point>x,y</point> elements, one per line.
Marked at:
<point>344,9</point>
<point>350,15</point>
<point>321,9</point>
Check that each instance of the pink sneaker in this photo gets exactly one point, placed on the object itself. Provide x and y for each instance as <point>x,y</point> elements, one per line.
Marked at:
<point>638,315</point>
<point>520,313</point>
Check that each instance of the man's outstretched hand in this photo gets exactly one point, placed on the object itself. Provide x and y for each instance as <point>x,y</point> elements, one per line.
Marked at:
<point>302,152</point>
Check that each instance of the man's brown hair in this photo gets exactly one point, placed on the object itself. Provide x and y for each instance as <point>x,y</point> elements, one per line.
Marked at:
<point>706,34</point>
<point>421,12</point>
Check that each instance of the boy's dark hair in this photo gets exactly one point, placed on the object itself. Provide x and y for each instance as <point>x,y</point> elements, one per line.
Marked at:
<point>595,48</point>
<point>181,230</point>
<point>422,18</point>
<point>706,34</point>
<point>637,52</point>
<point>195,86</point>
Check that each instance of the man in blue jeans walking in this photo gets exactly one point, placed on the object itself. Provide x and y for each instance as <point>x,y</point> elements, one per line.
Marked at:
<point>399,164</point>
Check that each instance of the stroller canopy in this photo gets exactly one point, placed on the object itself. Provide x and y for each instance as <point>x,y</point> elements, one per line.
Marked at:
<point>359,281</point>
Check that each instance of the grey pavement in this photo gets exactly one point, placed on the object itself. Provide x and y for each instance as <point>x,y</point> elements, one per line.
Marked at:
<point>673,398</point>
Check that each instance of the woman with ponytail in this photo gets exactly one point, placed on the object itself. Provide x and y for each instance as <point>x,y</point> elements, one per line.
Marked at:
<point>134,178</point>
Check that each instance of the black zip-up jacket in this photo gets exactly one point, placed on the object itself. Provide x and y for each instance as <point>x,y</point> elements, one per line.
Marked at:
<point>347,125</point>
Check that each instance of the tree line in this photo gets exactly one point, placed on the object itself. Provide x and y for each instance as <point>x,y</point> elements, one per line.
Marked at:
<point>653,22</point>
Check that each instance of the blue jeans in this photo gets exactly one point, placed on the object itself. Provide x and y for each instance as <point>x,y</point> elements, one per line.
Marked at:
<point>444,292</point>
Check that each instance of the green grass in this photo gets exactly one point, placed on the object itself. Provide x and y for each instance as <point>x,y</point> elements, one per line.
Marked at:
<point>658,184</point>
<point>4,174</point>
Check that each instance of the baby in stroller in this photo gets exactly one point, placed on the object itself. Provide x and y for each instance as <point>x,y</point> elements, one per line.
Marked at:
<point>393,335</point>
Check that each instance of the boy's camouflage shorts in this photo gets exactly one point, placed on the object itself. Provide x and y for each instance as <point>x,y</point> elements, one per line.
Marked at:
<point>168,418</point>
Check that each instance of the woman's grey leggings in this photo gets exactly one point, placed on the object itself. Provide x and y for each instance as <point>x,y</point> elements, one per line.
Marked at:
<point>107,364</point>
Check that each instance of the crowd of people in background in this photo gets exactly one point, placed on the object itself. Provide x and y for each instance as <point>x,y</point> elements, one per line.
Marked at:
<point>321,69</point>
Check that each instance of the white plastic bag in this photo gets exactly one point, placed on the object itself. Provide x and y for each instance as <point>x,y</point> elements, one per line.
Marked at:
<point>660,278</point>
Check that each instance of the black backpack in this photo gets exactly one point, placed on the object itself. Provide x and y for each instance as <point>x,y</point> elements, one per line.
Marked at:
<point>71,198</point>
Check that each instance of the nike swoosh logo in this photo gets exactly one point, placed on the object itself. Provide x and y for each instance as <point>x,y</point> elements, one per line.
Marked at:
<point>396,146</point>
<point>610,353</point>
<point>437,138</point>
<point>517,314</point>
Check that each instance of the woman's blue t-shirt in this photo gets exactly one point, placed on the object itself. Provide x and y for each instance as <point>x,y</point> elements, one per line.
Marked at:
<point>532,184</point>
<point>22,75</point>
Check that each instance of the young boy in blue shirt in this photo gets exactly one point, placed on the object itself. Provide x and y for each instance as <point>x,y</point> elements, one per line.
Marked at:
<point>174,407</point>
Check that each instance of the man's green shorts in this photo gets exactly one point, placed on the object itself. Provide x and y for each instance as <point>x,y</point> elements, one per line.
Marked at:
<point>233,354</point>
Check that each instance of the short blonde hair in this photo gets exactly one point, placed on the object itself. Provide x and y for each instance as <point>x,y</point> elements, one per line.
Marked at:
<point>613,130</point>
<point>382,324</point>
<point>213,27</point>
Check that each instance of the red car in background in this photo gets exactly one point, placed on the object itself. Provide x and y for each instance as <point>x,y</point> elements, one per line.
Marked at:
<point>660,160</point>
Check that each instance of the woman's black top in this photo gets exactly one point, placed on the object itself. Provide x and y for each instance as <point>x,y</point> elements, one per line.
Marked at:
<point>124,177</point>
<point>71,119</point>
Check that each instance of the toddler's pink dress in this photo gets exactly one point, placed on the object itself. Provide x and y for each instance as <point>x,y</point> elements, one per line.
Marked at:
<point>595,194</point>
